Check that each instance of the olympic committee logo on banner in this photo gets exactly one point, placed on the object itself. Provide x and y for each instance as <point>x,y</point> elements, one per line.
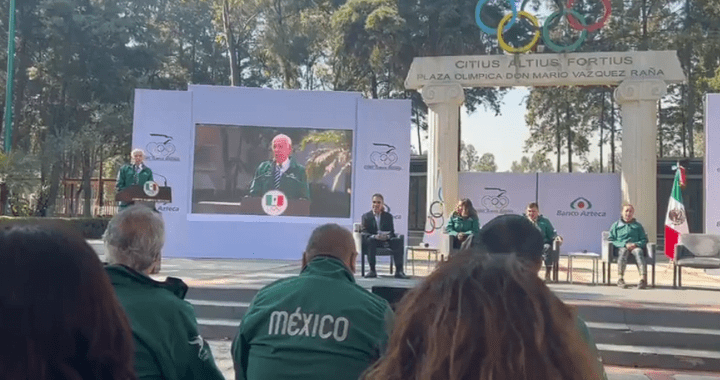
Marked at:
<point>383,158</point>
<point>161,149</point>
<point>495,201</point>
<point>151,188</point>
<point>274,202</point>
<point>581,207</point>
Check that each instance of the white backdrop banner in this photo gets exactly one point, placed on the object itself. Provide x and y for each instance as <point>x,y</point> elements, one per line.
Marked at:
<point>166,126</point>
<point>494,194</point>
<point>382,160</point>
<point>162,128</point>
<point>580,206</point>
<point>712,164</point>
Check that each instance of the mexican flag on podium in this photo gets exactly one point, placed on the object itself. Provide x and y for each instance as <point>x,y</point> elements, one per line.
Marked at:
<point>676,218</point>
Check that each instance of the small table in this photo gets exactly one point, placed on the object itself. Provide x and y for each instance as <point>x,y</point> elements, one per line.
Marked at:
<point>595,257</point>
<point>429,251</point>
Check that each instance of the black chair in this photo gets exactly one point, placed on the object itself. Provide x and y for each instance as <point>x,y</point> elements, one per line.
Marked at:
<point>380,251</point>
<point>695,251</point>
<point>609,255</point>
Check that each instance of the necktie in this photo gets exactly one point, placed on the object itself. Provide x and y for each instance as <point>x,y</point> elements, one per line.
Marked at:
<point>278,174</point>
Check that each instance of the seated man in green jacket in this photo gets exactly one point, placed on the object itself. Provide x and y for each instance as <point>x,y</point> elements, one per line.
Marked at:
<point>463,226</point>
<point>319,325</point>
<point>165,332</point>
<point>629,237</point>
<point>549,234</point>
<point>513,234</point>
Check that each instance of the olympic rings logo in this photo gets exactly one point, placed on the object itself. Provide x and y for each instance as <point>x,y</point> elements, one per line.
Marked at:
<point>436,220</point>
<point>575,19</point>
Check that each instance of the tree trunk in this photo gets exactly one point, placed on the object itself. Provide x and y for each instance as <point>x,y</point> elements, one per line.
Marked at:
<point>86,183</point>
<point>602,122</point>
<point>101,188</point>
<point>569,136</point>
<point>54,187</point>
<point>612,133</point>
<point>230,41</point>
<point>557,137</point>
<point>660,129</point>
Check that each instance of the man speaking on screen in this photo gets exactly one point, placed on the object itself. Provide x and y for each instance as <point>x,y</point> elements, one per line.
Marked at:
<point>281,173</point>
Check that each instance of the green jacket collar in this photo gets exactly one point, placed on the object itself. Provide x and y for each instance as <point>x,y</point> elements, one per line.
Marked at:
<point>327,266</point>
<point>123,275</point>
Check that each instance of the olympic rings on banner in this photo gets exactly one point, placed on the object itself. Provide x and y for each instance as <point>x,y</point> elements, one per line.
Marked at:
<point>575,19</point>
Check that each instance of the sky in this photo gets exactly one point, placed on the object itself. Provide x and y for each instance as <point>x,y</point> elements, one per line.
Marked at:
<point>504,135</point>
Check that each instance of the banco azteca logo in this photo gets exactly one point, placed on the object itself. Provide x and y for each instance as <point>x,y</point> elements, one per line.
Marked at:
<point>581,204</point>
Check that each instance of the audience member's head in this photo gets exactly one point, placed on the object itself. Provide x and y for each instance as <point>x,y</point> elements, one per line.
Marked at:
<point>59,317</point>
<point>331,240</point>
<point>513,234</point>
<point>135,238</point>
<point>482,317</point>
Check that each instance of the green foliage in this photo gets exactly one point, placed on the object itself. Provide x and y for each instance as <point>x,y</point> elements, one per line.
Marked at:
<point>537,163</point>
<point>333,154</point>
<point>89,228</point>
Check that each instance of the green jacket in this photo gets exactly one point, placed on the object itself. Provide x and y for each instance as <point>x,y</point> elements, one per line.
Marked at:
<point>457,224</point>
<point>293,181</point>
<point>167,343</point>
<point>127,176</point>
<point>318,325</point>
<point>622,233</point>
<point>546,228</point>
<point>585,334</point>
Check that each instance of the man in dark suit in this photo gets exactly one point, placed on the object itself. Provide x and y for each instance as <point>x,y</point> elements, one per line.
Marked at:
<point>378,230</point>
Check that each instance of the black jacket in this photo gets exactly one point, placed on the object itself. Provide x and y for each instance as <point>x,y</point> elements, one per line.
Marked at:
<point>370,227</point>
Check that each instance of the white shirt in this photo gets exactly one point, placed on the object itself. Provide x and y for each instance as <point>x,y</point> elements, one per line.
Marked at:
<point>377,220</point>
<point>284,166</point>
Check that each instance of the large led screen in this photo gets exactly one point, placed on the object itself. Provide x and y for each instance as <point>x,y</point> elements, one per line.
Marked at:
<point>251,170</point>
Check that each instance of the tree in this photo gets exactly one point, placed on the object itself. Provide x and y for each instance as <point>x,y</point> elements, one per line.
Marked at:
<point>334,153</point>
<point>537,163</point>
<point>468,156</point>
<point>486,163</point>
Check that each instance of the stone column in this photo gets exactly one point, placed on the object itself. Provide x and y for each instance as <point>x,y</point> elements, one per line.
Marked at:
<point>443,102</point>
<point>638,106</point>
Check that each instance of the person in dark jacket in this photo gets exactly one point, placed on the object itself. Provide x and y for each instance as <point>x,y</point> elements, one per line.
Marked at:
<point>319,325</point>
<point>628,237</point>
<point>281,173</point>
<point>167,342</point>
<point>463,225</point>
<point>549,234</point>
<point>59,317</point>
<point>378,230</point>
<point>134,173</point>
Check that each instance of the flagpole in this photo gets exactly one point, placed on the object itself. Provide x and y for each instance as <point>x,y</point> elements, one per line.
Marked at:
<point>10,78</point>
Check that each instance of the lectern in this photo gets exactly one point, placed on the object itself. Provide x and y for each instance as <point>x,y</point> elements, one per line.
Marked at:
<point>135,193</point>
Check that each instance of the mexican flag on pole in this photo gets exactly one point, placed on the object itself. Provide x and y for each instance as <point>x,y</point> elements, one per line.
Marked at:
<point>676,220</point>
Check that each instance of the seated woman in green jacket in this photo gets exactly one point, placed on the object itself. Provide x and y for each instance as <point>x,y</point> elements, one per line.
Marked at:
<point>463,225</point>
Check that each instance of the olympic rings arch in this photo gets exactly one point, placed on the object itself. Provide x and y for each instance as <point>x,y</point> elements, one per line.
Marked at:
<point>574,18</point>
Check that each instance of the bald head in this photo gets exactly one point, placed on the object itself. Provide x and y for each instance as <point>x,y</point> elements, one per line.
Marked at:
<point>331,240</point>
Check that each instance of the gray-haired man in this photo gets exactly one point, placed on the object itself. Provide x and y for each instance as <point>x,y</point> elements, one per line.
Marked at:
<point>167,342</point>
